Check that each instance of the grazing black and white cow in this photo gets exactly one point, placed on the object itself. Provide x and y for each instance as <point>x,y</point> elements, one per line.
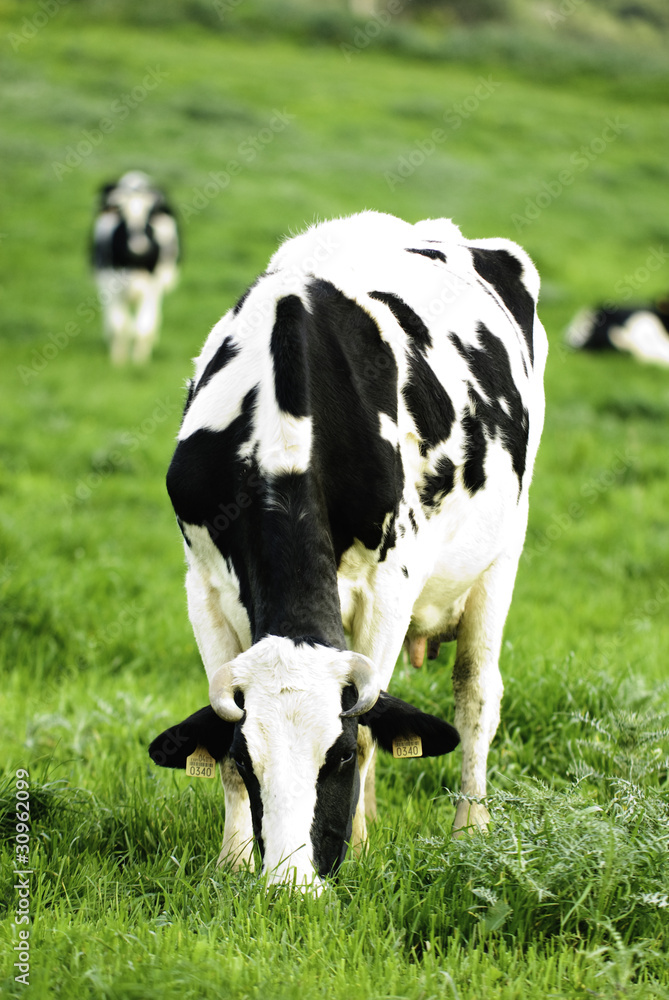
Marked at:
<point>642,331</point>
<point>355,457</point>
<point>135,252</point>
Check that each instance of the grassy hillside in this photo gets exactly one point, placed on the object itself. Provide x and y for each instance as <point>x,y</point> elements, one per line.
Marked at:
<point>568,896</point>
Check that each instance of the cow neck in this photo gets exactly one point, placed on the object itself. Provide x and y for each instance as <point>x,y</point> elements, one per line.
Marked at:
<point>293,581</point>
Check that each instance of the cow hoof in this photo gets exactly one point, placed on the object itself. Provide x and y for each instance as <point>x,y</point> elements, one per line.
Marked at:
<point>470,817</point>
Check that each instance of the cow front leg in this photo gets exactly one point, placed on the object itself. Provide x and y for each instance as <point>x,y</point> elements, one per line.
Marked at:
<point>237,847</point>
<point>147,323</point>
<point>477,685</point>
<point>366,807</point>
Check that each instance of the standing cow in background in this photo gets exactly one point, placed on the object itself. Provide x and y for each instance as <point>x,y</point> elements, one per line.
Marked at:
<point>135,253</point>
<point>355,457</point>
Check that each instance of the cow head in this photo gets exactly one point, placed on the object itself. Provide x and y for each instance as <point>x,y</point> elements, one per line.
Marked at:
<point>288,715</point>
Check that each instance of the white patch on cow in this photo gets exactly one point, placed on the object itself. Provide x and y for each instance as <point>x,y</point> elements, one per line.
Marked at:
<point>282,442</point>
<point>219,619</point>
<point>388,429</point>
<point>279,442</point>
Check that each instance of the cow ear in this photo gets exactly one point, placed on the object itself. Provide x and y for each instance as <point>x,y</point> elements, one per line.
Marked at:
<point>203,728</point>
<point>392,718</point>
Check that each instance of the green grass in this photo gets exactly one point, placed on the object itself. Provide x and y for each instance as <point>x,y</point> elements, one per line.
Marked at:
<point>568,896</point>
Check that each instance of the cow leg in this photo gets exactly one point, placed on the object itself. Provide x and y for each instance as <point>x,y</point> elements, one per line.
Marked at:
<point>147,322</point>
<point>382,645</point>
<point>477,684</point>
<point>218,644</point>
<point>118,325</point>
<point>366,808</point>
<point>237,846</point>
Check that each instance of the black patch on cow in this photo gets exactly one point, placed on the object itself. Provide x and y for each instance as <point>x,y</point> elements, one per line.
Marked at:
<point>491,367</point>
<point>353,378</point>
<point>476,446</point>
<point>294,588</point>
<point>239,752</point>
<point>427,401</point>
<point>432,254</point>
<point>438,484</point>
<point>392,718</point>
<point>337,792</point>
<point>289,356</point>
<point>202,728</point>
<point>412,521</point>
<point>504,272</point>
<point>182,529</point>
<point>114,250</point>
<point>211,487</point>
<point>405,571</point>
<point>360,352</point>
<point>198,479</point>
<point>190,394</point>
<point>410,321</point>
<point>227,350</point>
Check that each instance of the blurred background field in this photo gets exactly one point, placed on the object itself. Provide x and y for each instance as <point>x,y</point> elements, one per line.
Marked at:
<point>547,123</point>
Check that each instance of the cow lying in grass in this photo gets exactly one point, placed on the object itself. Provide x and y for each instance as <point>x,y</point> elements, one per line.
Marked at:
<point>355,457</point>
<point>642,331</point>
<point>135,253</point>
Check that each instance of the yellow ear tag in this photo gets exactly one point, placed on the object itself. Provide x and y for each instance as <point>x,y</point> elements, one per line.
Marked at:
<point>200,764</point>
<point>407,746</point>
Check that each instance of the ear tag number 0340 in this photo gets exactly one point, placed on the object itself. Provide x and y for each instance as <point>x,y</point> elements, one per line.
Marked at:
<point>407,746</point>
<point>200,764</point>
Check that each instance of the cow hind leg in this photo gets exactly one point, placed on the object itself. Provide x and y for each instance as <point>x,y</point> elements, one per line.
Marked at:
<point>477,685</point>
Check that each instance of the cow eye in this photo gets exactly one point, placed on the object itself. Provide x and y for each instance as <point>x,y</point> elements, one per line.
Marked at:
<point>241,766</point>
<point>346,758</point>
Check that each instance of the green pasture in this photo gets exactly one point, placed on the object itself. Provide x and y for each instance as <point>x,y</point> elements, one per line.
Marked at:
<point>254,138</point>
